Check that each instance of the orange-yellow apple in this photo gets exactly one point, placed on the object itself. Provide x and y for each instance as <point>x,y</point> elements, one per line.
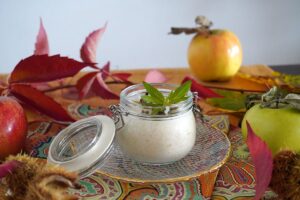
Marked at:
<point>13,127</point>
<point>215,55</point>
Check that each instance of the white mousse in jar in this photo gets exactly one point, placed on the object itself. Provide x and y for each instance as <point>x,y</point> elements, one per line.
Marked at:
<point>156,139</point>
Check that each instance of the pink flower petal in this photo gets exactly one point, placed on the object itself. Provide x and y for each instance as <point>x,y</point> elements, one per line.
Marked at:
<point>41,44</point>
<point>8,167</point>
<point>89,47</point>
<point>262,159</point>
<point>155,76</point>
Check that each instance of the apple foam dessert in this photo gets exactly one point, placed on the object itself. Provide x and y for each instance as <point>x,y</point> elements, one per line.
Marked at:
<point>158,122</point>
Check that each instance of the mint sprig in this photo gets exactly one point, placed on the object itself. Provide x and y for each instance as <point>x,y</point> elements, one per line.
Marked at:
<point>155,98</point>
<point>179,94</point>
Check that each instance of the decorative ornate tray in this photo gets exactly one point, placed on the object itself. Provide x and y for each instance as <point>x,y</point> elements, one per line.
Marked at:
<point>210,152</point>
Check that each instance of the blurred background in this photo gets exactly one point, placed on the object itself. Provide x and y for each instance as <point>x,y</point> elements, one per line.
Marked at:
<point>137,31</point>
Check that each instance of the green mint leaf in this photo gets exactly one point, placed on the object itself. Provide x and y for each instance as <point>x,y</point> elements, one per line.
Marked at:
<point>157,111</point>
<point>149,100</point>
<point>179,100</point>
<point>179,94</point>
<point>155,94</point>
<point>171,94</point>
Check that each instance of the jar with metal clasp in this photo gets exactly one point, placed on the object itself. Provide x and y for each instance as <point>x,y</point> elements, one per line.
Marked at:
<point>161,137</point>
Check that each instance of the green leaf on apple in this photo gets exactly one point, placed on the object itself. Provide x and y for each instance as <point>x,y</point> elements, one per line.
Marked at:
<point>293,100</point>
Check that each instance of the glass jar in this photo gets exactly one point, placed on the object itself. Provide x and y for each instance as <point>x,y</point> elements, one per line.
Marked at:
<point>151,135</point>
<point>156,135</point>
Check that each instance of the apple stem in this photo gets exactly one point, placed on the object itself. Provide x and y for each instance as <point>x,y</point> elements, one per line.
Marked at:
<point>58,88</point>
<point>203,27</point>
<point>224,112</point>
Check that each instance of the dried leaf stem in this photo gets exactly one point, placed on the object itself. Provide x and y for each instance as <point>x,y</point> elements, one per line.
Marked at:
<point>74,86</point>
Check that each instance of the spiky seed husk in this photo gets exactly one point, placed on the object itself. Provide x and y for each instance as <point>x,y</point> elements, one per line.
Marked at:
<point>35,179</point>
<point>286,175</point>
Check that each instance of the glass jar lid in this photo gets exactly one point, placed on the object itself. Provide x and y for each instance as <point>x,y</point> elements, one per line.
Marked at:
<point>84,145</point>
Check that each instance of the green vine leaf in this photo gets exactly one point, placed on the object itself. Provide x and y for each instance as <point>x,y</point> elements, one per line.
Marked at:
<point>231,100</point>
<point>275,98</point>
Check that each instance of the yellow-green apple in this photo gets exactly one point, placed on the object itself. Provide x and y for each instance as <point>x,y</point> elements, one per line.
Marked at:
<point>278,127</point>
<point>13,127</point>
<point>214,55</point>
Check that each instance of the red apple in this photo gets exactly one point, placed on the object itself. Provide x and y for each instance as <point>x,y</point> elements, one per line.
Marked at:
<point>13,127</point>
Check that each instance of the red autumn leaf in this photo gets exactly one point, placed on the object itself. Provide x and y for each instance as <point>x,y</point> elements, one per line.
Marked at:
<point>85,83</point>
<point>71,94</point>
<point>40,101</point>
<point>8,167</point>
<point>44,68</point>
<point>100,88</point>
<point>262,159</point>
<point>2,90</point>
<point>202,91</point>
<point>41,44</point>
<point>105,70</point>
<point>89,47</point>
<point>155,76</point>
<point>3,86</point>
<point>3,83</point>
<point>41,48</point>
<point>122,77</point>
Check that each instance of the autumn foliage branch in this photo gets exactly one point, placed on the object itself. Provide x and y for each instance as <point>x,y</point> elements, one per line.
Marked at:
<point>28,82</point>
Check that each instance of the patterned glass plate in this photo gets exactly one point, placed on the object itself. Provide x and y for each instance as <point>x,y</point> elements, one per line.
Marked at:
<point>210,152</point>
